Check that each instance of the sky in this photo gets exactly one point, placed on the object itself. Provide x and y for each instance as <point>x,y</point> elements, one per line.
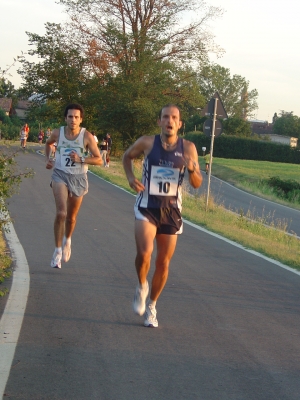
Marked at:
<point>260,39</point>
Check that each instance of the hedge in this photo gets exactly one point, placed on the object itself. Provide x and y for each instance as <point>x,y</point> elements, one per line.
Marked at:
<point>245,148</point>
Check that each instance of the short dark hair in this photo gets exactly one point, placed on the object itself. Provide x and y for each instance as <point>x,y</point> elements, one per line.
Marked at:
<point>74,106</point>
<point>167,106</point>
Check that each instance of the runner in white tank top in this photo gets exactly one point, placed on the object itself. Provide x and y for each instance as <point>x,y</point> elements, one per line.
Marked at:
<point>65,147</point>
<point>69,178</point>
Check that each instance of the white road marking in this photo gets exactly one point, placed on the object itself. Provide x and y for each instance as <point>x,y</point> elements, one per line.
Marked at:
<point>12,318</point>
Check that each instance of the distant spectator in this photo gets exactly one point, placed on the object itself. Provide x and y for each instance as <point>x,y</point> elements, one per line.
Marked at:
<point>41,137</point>
<point>207,162</point>
<point>24,135</point>
<point>103,151</point>
<point>109,144</point>
<point>95,137</point>
<point>48,133</point>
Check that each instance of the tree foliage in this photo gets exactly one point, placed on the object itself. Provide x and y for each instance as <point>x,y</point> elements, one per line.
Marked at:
<point>287,124</point>
<point>60,73</point>
<point>237,127</point>
<point>123,61</point>
<point>10,178</point>
<point>239,101</point>
<point>123,32</point>
<point>7,89</point>
<point>133,104</point>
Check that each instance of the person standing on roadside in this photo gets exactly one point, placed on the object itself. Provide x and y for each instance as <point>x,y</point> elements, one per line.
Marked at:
<point>69,178</point>
<point>24,135</point>
<point>158,203</point>
<point>48,133</point>
<point>95,137</point>
<point>109,144</point>
<point>103,151</point>
<point>41,137</point>
<point>207,162</point>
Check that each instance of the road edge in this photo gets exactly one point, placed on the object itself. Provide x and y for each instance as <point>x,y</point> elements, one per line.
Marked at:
<point>12,317</point>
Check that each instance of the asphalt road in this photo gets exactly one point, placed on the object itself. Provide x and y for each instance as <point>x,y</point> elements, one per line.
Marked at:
<point>229,321</point>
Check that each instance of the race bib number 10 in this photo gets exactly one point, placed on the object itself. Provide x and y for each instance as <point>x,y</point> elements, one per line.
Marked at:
<point>164,181</point>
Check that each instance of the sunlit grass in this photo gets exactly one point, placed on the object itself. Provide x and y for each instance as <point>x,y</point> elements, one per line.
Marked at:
<point>250,176</point>
<point>5,262</point>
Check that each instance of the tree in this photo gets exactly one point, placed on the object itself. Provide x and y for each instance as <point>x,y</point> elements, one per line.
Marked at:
<point>287,124</point>
<point>236,126</point>
<point>7,89</point>
<point>3,117</point>
<point>130,105</point>
<point>239,101</point>
<point>61,73</point>
<point>124,31</point>
<point>122,61</point>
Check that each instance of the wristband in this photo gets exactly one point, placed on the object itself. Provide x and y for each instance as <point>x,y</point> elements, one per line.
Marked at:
<point>82,159</point>
<point>191,171</point>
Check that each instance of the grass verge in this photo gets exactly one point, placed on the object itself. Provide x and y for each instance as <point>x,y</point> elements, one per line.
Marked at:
<point>5,263</point>
<point>273,243</point>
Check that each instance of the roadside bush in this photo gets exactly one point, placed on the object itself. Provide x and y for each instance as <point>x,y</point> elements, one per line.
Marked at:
<point>287,189</point>
<point>10,132</point>
<point>10,178</point>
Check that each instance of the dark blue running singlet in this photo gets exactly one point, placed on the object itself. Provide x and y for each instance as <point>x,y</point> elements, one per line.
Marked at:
<point>163,173</point>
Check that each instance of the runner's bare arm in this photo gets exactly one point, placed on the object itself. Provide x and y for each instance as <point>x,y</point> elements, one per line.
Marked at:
<point>48,147</point>
<point>91,145</point>
<point>142,146</point>
<point>192,164</point>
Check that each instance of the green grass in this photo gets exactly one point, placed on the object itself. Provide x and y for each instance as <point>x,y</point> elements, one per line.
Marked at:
<point>236,170</point>
<point>5,263</point>
<point>251,175</point>
<point>272,241</point>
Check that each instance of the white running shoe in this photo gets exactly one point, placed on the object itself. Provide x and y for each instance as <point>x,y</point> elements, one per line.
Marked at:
<point>150,317</point>
<point>56,260</point>
<point>66,249</point>
<point>139,300</point>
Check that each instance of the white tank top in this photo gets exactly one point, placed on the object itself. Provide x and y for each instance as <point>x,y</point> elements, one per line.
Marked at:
<point>65,147</point>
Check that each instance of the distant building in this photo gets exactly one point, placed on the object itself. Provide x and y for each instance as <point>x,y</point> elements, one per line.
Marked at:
<point>291,141</point>
<point>6,105</point>
<point>264,128</point>
<point>21,108</point>
<point>261,127</point>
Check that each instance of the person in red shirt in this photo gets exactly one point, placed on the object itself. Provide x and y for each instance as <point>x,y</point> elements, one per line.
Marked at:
<point>41,136</point>
<point>24,135</point>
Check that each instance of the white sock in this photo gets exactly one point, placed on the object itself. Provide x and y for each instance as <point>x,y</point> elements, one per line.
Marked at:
<point>67,240</point>
<point>58,249</point>
<point>152,303</point>
<point>144,285</point>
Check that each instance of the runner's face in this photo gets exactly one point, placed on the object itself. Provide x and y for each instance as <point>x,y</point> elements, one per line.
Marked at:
<point>170,121</point>
<point>73,119</point>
